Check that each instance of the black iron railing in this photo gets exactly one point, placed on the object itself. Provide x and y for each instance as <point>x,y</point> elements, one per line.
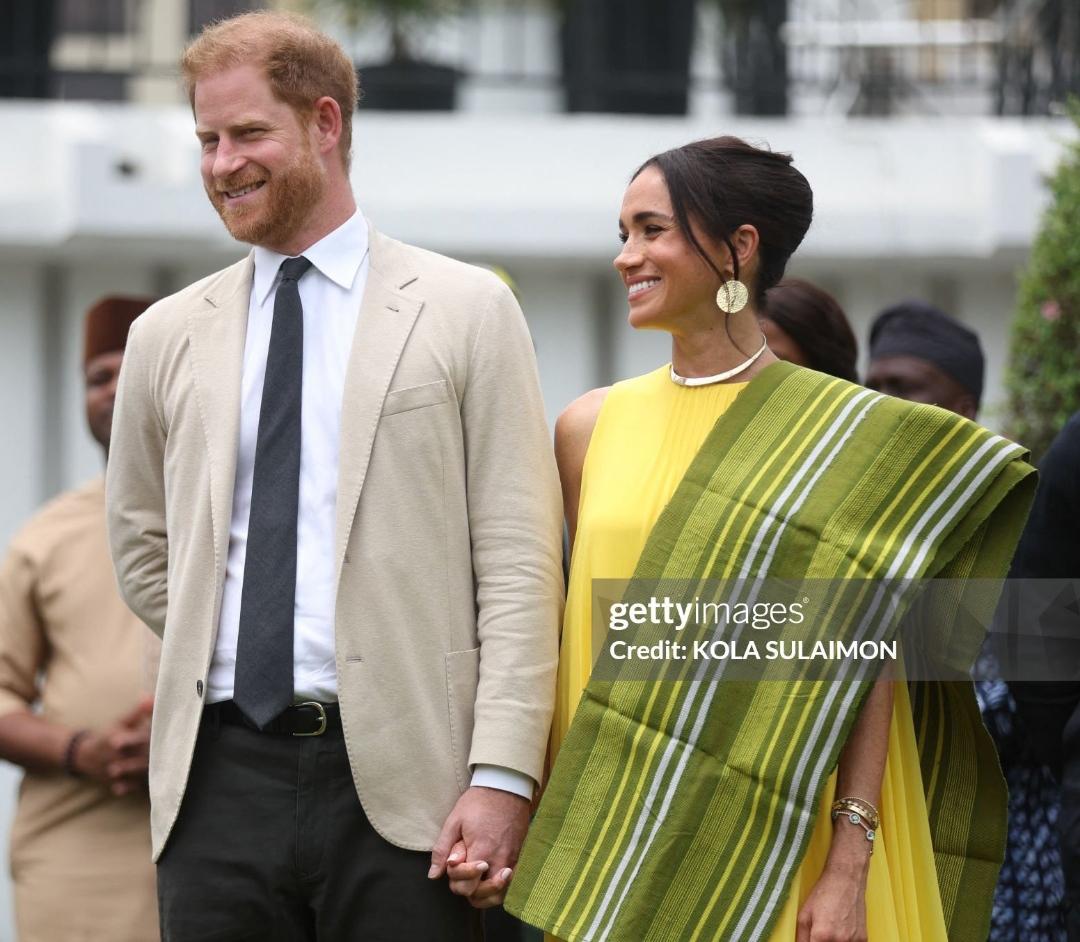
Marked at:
<point>1018,57</point>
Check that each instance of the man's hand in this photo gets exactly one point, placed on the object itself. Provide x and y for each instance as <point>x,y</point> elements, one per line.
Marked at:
<point>481,837</point>
<point>118,756</point>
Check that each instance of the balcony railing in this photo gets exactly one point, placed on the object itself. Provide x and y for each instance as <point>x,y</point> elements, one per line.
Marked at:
<point>781,56</point>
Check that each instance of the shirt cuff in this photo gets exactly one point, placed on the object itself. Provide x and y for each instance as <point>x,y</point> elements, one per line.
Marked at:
<point>504,779</point>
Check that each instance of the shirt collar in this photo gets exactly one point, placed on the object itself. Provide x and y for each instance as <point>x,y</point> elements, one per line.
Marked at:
<point>338,255</point>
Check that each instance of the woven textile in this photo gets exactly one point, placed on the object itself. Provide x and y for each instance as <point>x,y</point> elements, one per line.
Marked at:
<point>680,810</point>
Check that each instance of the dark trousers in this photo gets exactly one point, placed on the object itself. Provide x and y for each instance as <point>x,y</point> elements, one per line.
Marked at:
<point>272,845</point>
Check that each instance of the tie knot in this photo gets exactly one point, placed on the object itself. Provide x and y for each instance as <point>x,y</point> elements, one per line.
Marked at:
<point>293,268</point>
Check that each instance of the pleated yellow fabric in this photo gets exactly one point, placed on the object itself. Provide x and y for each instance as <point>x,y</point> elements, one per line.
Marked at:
<point>647,434</point>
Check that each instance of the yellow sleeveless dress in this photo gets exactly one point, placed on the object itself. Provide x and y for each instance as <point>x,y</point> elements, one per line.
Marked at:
<point>646,436</point>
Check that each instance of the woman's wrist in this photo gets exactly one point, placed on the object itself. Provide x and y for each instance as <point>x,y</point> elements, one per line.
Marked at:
<point>849,853</point>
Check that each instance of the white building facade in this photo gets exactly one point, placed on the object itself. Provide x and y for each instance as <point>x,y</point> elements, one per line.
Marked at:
<point>103,198</point>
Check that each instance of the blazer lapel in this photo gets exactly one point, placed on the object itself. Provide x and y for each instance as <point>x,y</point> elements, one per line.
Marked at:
<point>216,334</point>
<point>385,321</point>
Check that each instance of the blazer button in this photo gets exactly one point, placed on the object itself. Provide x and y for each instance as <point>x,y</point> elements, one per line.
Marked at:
<point>198,687</point>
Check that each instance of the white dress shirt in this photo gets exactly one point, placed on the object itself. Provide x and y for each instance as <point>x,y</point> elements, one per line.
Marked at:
<point>331,292</point>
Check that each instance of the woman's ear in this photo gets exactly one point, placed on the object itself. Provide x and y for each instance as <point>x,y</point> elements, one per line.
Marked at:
<point>746,242</point>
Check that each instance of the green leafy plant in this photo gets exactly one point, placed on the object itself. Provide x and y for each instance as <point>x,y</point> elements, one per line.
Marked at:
<point>403,18</point>
<point>1043,379</point>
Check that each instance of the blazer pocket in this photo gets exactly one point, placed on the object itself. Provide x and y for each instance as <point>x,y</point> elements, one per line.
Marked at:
<point>415,397</point>
<point>462,678</point>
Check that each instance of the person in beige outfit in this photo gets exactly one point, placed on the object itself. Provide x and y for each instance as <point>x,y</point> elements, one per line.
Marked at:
<point>332,492</point>
<point>74,704</point>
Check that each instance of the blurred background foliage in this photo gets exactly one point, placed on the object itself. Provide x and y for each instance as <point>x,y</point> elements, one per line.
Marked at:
<point>1043,379</point>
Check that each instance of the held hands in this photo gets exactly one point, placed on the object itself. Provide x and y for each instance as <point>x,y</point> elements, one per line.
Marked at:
<point>479,844</point>
<point>118,756</point>
<point>835,910</point>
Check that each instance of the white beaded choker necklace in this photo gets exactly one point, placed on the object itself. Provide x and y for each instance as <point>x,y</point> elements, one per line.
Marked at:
<point>719,377</point>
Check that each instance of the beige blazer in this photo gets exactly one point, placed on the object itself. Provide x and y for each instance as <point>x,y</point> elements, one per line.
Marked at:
<point>448,534</point>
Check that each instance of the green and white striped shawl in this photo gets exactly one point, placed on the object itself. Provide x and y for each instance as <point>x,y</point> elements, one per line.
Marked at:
<point>680,811</point>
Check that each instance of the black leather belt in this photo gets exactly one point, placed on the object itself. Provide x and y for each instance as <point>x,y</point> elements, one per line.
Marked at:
<point>302,719</point>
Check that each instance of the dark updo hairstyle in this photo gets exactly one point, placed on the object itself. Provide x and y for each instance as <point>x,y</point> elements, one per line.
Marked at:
<point>815,321</point>
<point>723,183</point>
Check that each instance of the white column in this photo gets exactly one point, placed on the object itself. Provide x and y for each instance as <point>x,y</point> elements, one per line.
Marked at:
<point>161,34</point>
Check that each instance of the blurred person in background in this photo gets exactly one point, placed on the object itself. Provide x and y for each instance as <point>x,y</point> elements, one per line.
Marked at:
<point>804,324</point>
<point>919,353</point>
<point>74,707</point>
<point>1050,549</point>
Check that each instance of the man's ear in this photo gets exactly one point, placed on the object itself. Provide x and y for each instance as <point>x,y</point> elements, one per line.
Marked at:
<point>967,406</point>
<point>328,124</point>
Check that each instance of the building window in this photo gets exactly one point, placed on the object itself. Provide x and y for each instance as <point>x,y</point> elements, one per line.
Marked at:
<point>72,85</point>
<point>100,17</point>
<point>206,11</point>
<point>26,35</point>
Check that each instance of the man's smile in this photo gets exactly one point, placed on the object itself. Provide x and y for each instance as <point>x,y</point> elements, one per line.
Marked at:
<point>235,194</point>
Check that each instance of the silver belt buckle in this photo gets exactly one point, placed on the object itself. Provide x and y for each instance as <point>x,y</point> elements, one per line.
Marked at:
<point>322,717</point>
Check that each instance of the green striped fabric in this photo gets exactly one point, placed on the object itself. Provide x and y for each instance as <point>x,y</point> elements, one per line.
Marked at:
<point>681,810</point>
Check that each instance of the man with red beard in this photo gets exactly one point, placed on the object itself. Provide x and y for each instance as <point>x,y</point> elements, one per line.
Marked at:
<point>333,495</point>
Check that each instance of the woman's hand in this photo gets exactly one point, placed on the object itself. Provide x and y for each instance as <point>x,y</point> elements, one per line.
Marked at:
<point>835,910</point>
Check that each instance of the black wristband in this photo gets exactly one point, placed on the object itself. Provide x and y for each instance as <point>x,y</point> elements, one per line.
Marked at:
<point>69,752</point>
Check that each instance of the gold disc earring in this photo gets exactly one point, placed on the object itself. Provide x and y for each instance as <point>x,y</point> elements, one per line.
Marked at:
<point>732,296</point>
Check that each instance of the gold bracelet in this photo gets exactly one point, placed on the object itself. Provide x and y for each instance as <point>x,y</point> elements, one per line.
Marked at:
<point>855,818</point>
<point>866,810</point>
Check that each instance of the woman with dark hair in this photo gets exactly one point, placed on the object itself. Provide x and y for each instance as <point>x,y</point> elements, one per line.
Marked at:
<point>806,325</point>
<point>691,808</point>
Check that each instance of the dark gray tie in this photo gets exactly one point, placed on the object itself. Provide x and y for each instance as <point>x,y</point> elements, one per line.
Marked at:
<point>263,686</point>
